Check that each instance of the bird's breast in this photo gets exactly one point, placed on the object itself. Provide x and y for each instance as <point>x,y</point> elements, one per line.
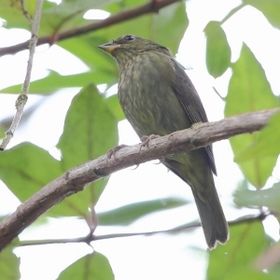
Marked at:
<point>147,98</point>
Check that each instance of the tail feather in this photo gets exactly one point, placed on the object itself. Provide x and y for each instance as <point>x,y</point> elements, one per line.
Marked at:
<point>194,170</point>
<point>212,218</point>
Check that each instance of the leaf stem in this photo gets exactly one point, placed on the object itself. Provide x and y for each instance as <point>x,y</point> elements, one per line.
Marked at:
<point>232,12</point>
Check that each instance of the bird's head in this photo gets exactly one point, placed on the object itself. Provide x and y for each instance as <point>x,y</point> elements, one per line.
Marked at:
<point>128,46</point>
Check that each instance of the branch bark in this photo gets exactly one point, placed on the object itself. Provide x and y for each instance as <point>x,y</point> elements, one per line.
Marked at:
<point>74,180</point>
<point>151,7</point>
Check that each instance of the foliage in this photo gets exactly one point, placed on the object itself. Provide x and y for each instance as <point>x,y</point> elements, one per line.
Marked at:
<point>98,267</point>
<point>90,127</point>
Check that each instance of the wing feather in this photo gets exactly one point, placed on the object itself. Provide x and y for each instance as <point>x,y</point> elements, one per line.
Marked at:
<point>191,103</point>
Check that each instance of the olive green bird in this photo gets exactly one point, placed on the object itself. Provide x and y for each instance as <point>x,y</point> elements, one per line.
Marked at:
<point>158,98</point>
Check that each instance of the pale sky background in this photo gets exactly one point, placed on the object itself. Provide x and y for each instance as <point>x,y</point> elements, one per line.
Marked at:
<point>158,256</point>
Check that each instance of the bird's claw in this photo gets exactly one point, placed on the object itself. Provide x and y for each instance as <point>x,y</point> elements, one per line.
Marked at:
<point>196,125</point>
<point>112,152</point>
<point>145,140</point>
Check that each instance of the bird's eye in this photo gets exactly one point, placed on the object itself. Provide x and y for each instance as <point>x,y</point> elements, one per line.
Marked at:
<point>129,38</point>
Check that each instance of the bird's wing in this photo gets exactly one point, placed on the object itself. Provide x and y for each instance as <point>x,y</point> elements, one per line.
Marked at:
<point>190,101</point>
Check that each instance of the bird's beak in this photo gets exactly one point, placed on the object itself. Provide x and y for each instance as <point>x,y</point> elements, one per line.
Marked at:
<point>109,47</point>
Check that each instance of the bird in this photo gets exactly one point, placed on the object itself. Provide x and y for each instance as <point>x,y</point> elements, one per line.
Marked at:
<point>158,98</point>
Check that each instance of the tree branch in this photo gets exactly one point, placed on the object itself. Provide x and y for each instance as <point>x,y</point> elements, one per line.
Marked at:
<point>150,7</point>
<point>91,237</point>
<point>22,98</point>
<point>74,180</point>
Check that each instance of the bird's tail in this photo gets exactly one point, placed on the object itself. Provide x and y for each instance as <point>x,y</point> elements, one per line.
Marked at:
<point>212,217</point>
<point>193,170</point>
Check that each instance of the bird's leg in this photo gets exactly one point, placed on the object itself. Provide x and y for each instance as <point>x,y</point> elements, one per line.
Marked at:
<point>196,128</point>
<point>112,152</point>
<point>196,125</point>
<point>145,140</point>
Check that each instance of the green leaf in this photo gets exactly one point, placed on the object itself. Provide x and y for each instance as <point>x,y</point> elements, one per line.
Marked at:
<point>93,266</point>
<point>115,107</point>
<point>26,168</point>
<point>243,197</point>
<point>250,91</point>
<point>30,6</point>
<point>86,49</point>
<point>117,6</point>
<point>217,49</point>
<point>270,8</point>
<point>234,259</point>
<point>55,81</point>
<point>12,12</point>
<point>267,141</point>
<point>90,130</point>
<point>127,214</point>
<point>275,271</point>
<point>171,20</point>
<point>9,264</point>
<point>55,17</point>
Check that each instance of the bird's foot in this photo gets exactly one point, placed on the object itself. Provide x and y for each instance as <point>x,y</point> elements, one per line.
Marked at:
<point>146,140</point>
<point>112,152</point>
<point>196,125</point>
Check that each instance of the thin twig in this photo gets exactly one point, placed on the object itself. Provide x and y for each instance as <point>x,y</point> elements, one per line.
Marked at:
<point>186,227</point>
<point>22,98</point>
<point>218,94</point>
<point>232,12</point>
<point>150,7</point>
<point>75,180</point>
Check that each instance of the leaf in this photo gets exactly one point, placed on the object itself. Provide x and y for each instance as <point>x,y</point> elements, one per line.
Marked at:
<point>55,17</point>
<point>250,91</point>
<point>90,130</point>
<point>171,20</point>
<point>116,6</point>
<point>30,6</point>
<point>12,12</point>
<point>217,49</point>
<point>103,68</point>
<point>243,197</point>
<point>270,9</point>
<point>234,259</point>
<point>92,266</point>
<point>269,260</point>
<point>127,214</point>
<point>115,107</point>
<point>9,264</point>
<point>86,48</point>
<point>26,168</point>
<point>267,141</point>
<point>55,81</point>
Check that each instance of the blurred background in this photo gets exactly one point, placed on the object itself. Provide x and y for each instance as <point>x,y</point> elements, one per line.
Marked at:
<point>230,50</point>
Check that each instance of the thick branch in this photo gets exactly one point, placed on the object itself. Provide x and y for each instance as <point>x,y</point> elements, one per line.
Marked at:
<point>75,179</point>
<point>151,7</point>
